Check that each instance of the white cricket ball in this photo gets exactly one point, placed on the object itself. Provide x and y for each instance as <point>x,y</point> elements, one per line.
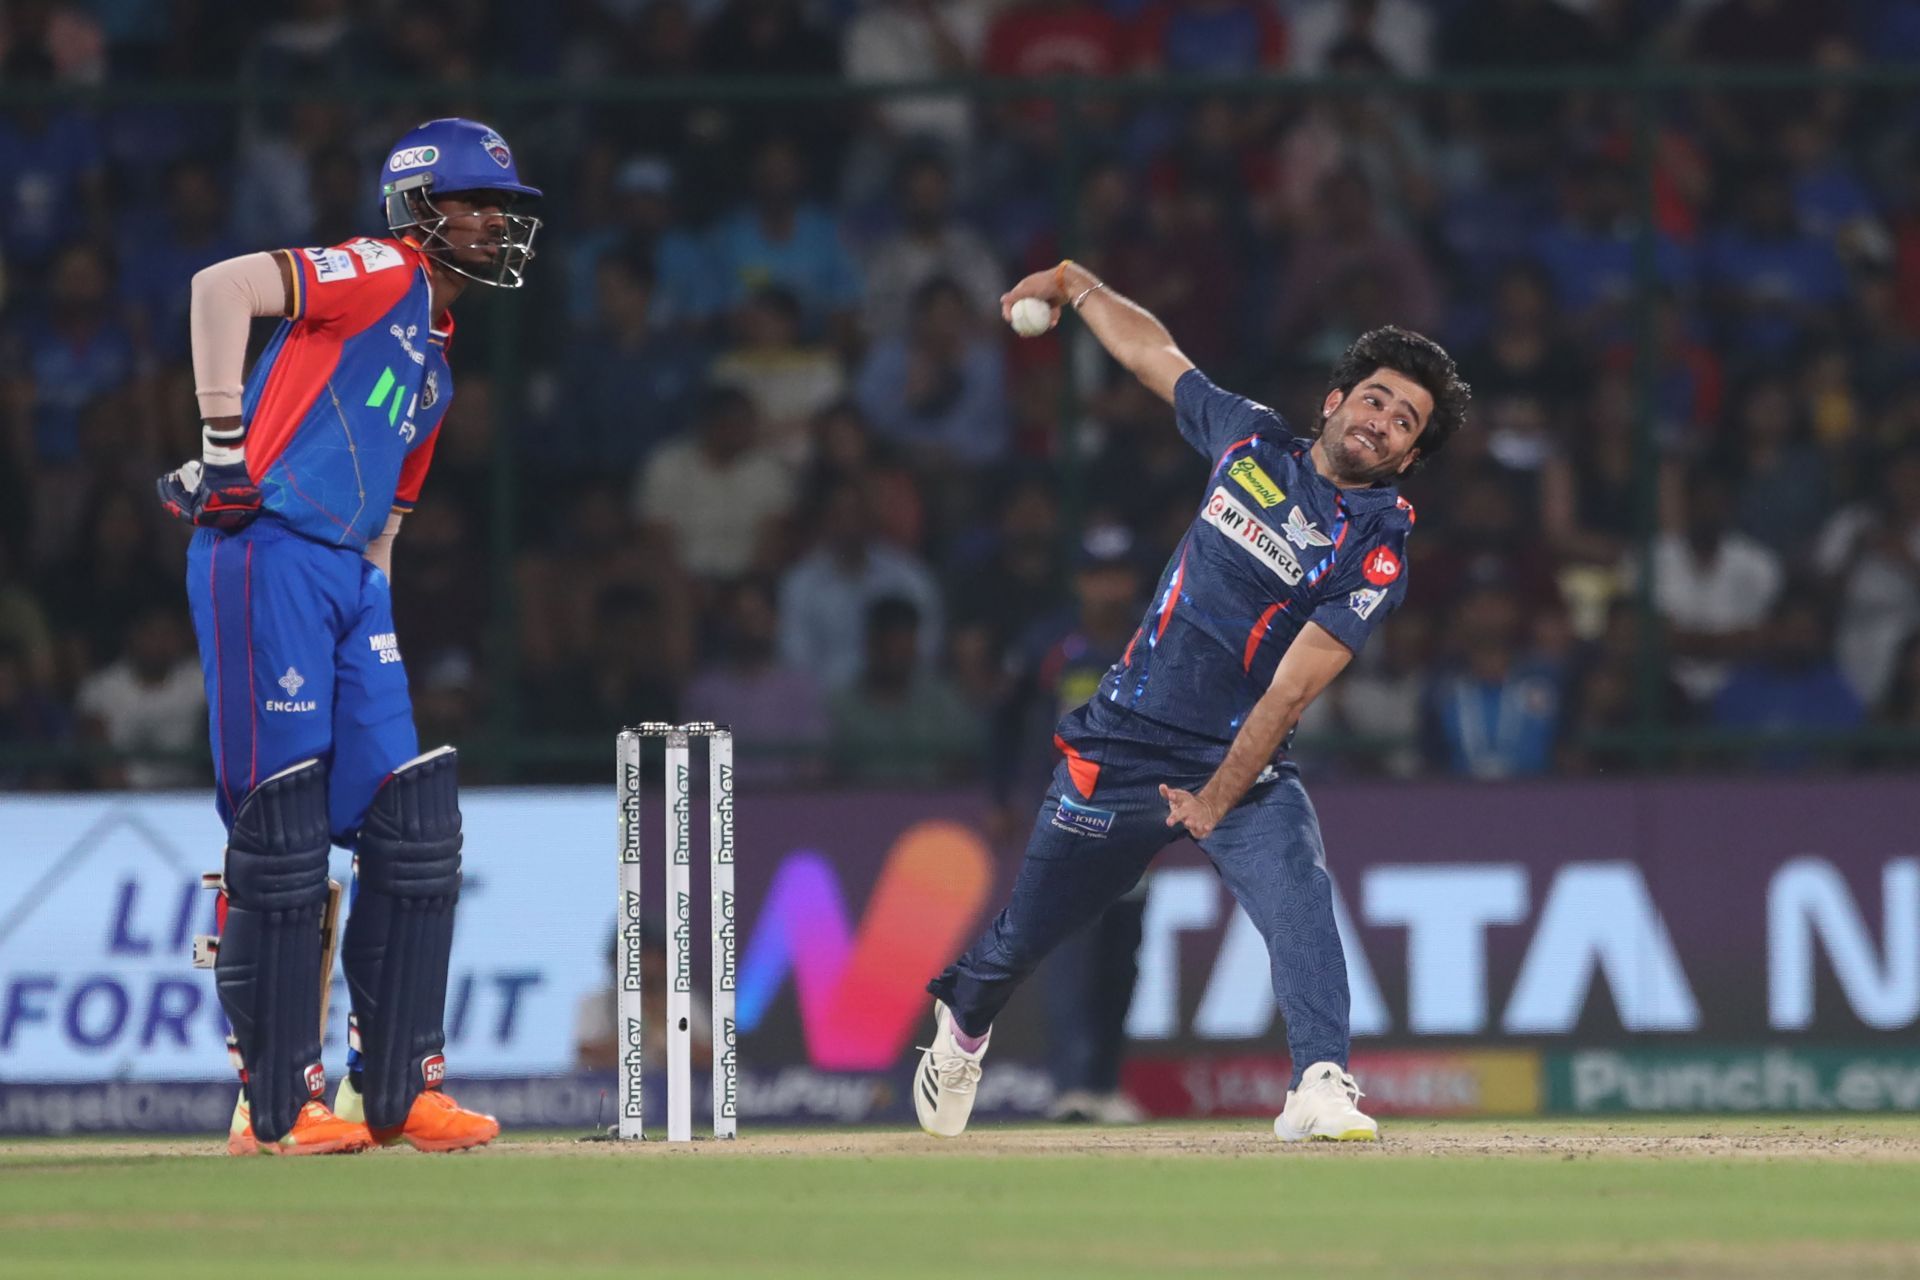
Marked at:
<point>1030,317</point>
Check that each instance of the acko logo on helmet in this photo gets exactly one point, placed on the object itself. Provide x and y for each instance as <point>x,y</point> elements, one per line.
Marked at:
<point>413,158</point>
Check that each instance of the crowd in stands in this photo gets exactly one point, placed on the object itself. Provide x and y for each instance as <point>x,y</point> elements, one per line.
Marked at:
<point>755,446</point>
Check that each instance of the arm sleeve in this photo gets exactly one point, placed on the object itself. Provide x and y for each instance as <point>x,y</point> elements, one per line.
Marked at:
<point>225,299</point>
<point>1365,588</point>
<point>1213,420</point>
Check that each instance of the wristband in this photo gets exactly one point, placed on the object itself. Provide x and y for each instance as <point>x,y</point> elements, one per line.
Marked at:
<point>223,448</point>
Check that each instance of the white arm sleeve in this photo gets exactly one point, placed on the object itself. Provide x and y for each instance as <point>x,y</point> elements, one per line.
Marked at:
<point>226,298</point>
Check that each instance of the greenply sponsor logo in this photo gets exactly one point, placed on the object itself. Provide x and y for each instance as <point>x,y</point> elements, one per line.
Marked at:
<point>1775,1079</point>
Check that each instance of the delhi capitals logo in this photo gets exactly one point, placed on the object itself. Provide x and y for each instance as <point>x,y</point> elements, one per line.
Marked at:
<point>430,390</point>
<point>291,682</point>
<point>497,148</point>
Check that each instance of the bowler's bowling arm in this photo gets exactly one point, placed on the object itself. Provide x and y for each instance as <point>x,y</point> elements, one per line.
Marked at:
<point>1306,668</point>
<point>1130,333</point>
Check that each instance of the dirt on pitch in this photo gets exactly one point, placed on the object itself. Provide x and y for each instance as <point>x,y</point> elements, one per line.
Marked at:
<point>1666,1139</point>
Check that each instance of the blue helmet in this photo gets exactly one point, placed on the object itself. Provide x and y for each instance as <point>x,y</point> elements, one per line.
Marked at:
<point>445,157</point>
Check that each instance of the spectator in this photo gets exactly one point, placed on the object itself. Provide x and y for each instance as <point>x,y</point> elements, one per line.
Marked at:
<point>628,386</point>
<point>158,256</point>
<point>1768,31</point>
<point>1382,700</point>
<point>788,378</point>
<point>1528,34</point>
<point>1783,490</point>
<point>1378,134</point>
<point>900,722</point>
<point>781,237</point>
<point>682,292</point>
<point>1210,37</point>
<point>1791,684</point>
<point>74,353</point>
<point>1486,542</point>
<point>1607,692</point>
<point>1771,282</point>
<point>1872,549</point>
<point>1016,583</point>
<point>56,180</point>
<point>1346,241</point>
<point>930,242</point>
<point>1525,353</point>
<point>1399,31</point>
<point>758,39</point>
<point>776,710</point>
<point>115,575</point>
<point>632,670</point>
<point>24,631</point>
<point>939,389</point>
<point>1497,713</point>
<point>716,496</point>
<point>824,598</point>
<point>844,448</point>
<point>890,41</point>
<point>29,718</point>
<point>1713,585</point>
<point>152,699</point>
<point>1590,251</point>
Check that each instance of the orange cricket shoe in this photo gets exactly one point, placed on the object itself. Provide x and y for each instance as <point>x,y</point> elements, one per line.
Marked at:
<point>317,1132</point>
<point>436,1122</point>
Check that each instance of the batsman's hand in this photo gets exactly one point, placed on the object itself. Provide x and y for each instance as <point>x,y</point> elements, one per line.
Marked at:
<point>1194,812</point>
<point>223,498</point>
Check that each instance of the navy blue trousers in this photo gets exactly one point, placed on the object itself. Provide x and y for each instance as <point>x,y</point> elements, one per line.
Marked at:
<point>1099,827</point>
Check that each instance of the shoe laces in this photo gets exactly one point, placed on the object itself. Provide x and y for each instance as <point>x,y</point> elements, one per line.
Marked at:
<point>956,1073</point>
<point>1343,1081</point>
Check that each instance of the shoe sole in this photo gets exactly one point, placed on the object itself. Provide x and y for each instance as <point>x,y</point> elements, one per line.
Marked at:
<point>445,1145</point>
<point>1345,1135</point>
<point>339,1147</point>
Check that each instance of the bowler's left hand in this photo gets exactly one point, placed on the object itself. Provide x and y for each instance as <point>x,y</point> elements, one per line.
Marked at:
<point>1185,809</point>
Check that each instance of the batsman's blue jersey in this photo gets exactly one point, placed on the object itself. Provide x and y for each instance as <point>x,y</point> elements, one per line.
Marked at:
<point>1275,546</point>
<point>295,626</point>
<point>344,405</point>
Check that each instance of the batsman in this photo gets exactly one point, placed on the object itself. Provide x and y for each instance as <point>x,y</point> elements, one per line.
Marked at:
<point>1297,552</point>
<point>305,476</point>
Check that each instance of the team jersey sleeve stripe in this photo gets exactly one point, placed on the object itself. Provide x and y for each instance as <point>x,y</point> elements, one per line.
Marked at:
<point>298,302</point>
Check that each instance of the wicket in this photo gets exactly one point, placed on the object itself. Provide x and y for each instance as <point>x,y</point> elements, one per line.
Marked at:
<point>679,921</point>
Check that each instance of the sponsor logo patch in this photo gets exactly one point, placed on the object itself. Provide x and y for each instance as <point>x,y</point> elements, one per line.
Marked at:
<point>433,1071</point>
<point>413,158</point>
<point>375,256</point>
<point>316,1078</point>
<point>1247,473</point>
<point>1301,532</point>
<point>1365,601</point>
<point>292,682</point>
<point>1255,538</point>
<point>330,264</point>
<point>387,645</point>
<point>1381,566</point>
<point>1083,819</point>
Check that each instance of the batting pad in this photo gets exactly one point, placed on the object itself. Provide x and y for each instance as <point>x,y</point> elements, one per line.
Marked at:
<point>401,932</point>
<point>267,970</point>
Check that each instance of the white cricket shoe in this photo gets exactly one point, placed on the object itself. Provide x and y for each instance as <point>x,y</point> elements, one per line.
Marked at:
<point>1324,1107</point>
<point>943,1087</point>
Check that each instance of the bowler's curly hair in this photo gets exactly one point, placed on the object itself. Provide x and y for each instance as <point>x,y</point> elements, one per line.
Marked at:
<point>1415,356</point>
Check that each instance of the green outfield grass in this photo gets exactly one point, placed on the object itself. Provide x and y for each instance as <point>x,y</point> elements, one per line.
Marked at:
<point>1693,1197</point>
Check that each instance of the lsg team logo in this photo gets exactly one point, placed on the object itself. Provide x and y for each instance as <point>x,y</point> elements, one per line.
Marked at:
<point>727,1105</point>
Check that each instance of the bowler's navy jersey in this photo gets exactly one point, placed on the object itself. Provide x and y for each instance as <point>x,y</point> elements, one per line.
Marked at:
<point>1275,546</point>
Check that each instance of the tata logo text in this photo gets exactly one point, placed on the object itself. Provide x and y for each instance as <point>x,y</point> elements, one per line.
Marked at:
<point>861,995</point>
